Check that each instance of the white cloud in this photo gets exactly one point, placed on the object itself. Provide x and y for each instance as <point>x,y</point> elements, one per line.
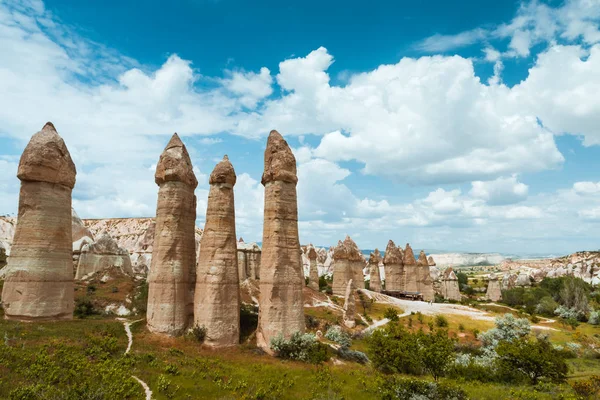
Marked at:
<point>442,43</point>
<point>500,191</point>
<point>249,86</point>
<point>586,188</point>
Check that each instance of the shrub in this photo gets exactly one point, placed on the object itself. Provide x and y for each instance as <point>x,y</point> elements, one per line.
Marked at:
<point>336,334</point>
<point>300,347</point>
<point>91,289</point>
<point>394,349</point>
<point>420,317</point>
<point>391,314</point>
<point>198,333</point>
<point>352,355</point>
<point>534,359</point>
<point>463,279</point>
<point>594,318</point>
<point>329,290</point>
<point>83,308</point>
<point>436,352</point>
<point>587,388</point>
<point>546,306</point>
<point>508,328</point>
<point>310,321</point>
<point>322,283</point>
<point>393,388</point>
<point>171,369</point>
<point>461,327</point>
<point>140,298</point>
<point>441,321</point>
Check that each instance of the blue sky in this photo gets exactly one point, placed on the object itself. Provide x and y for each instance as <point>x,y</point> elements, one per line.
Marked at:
<point>454,127</point>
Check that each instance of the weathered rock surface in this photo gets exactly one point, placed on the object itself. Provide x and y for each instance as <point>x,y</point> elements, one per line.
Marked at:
<point>102,254</point>
<point>7,231</point>
<point>450,288</point>
<point>348,264</point>
<point>217,296</point>
<point>172,275</point>
<point>281,310</point>
<point>39,277</point>
<point>313,277</point>
<point>81,234</point>
<point>461,259</point>
<point>411,272</point>
<point>424,281</point>
<point>509,281</point>
<point>493,290</point>
<point>249,255</point>
<point>374,276</point>
<point>349,305</point>
<point>431,261</point>
<point>394,267</point>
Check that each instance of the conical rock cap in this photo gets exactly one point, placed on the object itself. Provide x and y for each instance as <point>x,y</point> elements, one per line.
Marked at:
<point>280,163</point>
<point>223,173</point>
<point>175,165</point>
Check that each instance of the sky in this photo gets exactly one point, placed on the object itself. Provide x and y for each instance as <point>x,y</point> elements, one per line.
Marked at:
<point>457,126</point>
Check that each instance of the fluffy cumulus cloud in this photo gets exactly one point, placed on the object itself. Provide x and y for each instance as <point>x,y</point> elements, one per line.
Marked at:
<point>426,120</point>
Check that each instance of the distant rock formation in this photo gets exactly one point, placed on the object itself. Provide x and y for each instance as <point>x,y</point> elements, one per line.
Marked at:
<point>281,310</point>
<point>424,281</point>
<point>217,295</point>
<point>509,281</point>
<point>523,279</point>
<point>7,231</point>
<point>374,277</point>
<point>411,272</point>
<point>464,259</point>
<point>313,277</point>
<point>348,264</point>
<point>349,305</point>
<point>450,288</point>
<point>249,255</point>
<point>81,235</point>
<point>394,267</point>
<point>39,278</point>
<point>431,262</point>
<point>493,290</point>
<point>172,274</point>
<point>102,254</point>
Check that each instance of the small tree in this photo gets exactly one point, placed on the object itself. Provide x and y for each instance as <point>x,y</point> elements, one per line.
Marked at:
<point>436,352</point>
<point>391,314</point>
<point>533,358</point>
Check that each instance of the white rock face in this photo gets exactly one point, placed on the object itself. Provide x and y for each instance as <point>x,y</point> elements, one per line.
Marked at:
<point>458,259</point>
<point>7,231</point>
<point>103,254</point>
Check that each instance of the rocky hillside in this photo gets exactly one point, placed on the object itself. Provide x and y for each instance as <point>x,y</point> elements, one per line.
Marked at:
<point>461,259</point>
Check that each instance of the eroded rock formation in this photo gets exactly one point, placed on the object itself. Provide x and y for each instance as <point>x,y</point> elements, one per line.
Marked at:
<point>281,310</point>
<point>450,288</point>
<point>349,305</point>
<point>394,267</point>
<point>102,254</point>
<point>424,281</point>
<point>172,274</point>
<point>39,278</point>
<point>348,264</point>
<point>411,272</point>
<point>374,277</point>
<point>249,255</point>
<point>431,261</point>
<point>313,277</point>
<point>493,290</point>
<point>217,296</point>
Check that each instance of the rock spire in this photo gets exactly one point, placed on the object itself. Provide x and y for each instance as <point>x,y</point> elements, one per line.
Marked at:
<point>217,295</point>
<point>410,270</point>
<point>424,281</point>
<point>450,289</point>
<point>39,276</point>
<point>313,276</point>
<point>172,273</point>
<point>394,267</point>
<point>281,310</point>
<point>349,264</point>
<point>374,277</point>
<point>493,290</point>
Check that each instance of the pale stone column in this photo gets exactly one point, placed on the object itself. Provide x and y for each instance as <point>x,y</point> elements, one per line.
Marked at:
<point>424,281</point>
<point>493,290</point>
<point>173,269</point>
<point>410,270</point>
<point>281,310</point>
<point>374,277</point>
<point>217,298</point>
<point>349,264</point>
<point>313,276</point>
<point>394,267</point>
<point>39,277</point>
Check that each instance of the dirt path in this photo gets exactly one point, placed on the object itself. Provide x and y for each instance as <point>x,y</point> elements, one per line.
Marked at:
<point>127,325</point>
<point>437,308</point>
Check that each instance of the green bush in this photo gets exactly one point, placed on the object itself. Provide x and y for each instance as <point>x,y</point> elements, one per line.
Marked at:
<point>300,347</point>
<point>83,308</point>
<point>391,314</point>
<point>198,333</point>
<point>441,321</point>
<point>322,283</point>
<point>336,334</point>
<point>393,388</point>
<point>587,388</point>
<point>534,359</point>
<point>352,355</point>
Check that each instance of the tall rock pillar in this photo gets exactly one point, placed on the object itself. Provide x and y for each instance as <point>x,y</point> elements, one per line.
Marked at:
<point>424,281</point>
<point>281,310</point>
<point>173,269</point>
<point>39,278</point>
<point>217,296</point>
<point>348,264</point>
<point>394,267</point>
<point>374,277</point>
<point>313,275</point>
<point>410,270</point>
